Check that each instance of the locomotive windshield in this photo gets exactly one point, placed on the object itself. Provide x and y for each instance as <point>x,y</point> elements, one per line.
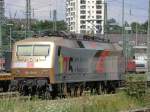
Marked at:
<point>41,50</point>
<point>24,50</point>
<point>33,50</point>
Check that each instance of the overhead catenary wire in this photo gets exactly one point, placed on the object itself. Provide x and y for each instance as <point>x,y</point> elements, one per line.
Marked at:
<point>148,40</point>
<point>43,6</point>
<point>127,4</point>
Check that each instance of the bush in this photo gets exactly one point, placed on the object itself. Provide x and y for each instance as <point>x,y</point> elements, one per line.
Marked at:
<point>136,85</point>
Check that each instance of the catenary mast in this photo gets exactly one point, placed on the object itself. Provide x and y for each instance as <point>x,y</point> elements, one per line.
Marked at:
<point>1,23</point>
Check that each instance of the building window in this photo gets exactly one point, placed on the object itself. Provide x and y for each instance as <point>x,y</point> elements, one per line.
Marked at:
<point>82,26</point>
<point>98,2</point>
<point>82,11</point>
<point>72,23</point>
<point>98,17</point>
<point>82,17</point>
<point>72,4</point>
<point>83,2</point>
<point>73,13</point>
<point>83,7</point>
<point>99,28</point>
<point>98,21</point>
<point>89,12</point>
<point>83,31</point>
<point>98,6</point>
<point>71,28</point>
<point>82,22</point>
<point>98,12</point>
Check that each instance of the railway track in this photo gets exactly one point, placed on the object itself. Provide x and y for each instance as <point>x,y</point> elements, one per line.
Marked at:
<point>9,94</point>
<point>16,95</point>
<point>13,95</point>
<point>139,110</point>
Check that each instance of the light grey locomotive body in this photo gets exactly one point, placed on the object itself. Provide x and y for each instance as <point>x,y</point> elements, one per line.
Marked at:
<point>81,64</point>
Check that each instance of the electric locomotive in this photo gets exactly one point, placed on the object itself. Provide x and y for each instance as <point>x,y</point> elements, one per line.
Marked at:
<point>60,65</point>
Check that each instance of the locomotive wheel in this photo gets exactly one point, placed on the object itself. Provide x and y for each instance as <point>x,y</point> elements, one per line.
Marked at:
<point>47,95</point>
<point>72,92</point>
<point>65,90</point>
<point>99,89</point>
<point>5,88</point>
<point>78,91</point>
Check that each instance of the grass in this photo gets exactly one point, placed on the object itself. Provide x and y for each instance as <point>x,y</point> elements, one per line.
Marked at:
<point>137,95</point>
<point>103,103</point>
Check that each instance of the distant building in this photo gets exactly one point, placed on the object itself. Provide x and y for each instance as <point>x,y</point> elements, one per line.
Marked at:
<point>140,39</point>
<point>85,16</point>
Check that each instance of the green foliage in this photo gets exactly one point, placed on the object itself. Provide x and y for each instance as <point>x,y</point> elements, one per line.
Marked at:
<point>113,27</point>
<point>18,30</point>
<point>136,85</point>
<point>48,26</point>
<point>139,28</point>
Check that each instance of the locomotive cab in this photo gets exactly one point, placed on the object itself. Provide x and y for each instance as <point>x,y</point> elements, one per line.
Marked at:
<point>32,64</point>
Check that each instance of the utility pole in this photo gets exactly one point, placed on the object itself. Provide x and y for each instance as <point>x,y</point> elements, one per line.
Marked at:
<point>10,36</point>
<point>123,34</point>
<point>28,18</point>
<point>54,20</point>
<point>0,40</point>
<point>50,11</point>
<point>148,40</point>
<point>136,36</point>
<point>105,20</point>
<point>1,23</point>
<point>33,13</point>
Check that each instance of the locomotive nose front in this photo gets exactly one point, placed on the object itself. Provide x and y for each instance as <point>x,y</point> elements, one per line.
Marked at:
<point>33,60</point>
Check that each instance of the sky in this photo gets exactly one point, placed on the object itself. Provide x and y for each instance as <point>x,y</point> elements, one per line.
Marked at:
<point>16,8</point>
<point>135,10</point>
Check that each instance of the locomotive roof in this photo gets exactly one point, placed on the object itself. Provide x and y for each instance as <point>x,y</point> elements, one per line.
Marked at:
<point>60,41</point>
<point>41,39</point>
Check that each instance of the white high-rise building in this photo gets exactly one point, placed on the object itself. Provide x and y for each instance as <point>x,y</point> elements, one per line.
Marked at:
<point>85,16</point>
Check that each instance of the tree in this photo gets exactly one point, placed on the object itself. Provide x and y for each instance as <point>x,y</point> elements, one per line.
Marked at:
<point>135,27</point>
<point>18,29</point>
<point>144,27</point>
<point>113,27</point>
<point>48,25</point>
<point>141,28</point>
